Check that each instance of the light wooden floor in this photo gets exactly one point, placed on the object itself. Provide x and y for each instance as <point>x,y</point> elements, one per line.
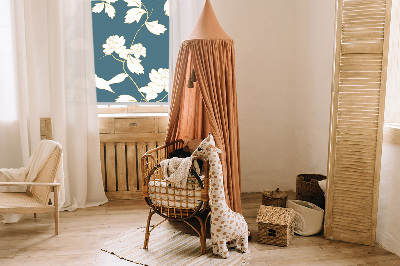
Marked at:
<point>83,232</point>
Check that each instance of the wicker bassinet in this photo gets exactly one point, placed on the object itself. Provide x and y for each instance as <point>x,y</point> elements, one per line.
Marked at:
<point>170,202</point>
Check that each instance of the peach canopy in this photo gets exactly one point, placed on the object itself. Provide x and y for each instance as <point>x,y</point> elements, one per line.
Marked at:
<point>211,105</point>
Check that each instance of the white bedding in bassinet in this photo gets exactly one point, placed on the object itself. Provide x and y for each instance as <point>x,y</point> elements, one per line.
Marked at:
<point>161,194</point>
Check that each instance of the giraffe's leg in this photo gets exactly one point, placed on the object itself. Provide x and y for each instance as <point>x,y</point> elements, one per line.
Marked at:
<point>222,249</point>
<point>215,248</point>
<point>232,244</point>
<point>243,243</point>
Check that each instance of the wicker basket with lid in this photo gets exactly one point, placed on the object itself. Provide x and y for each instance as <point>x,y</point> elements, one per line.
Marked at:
<point>274,198</point>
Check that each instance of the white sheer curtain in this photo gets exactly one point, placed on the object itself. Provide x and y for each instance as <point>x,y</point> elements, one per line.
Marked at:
<point>54,73</point>
<point>182,19</point>
<point>10,155</point>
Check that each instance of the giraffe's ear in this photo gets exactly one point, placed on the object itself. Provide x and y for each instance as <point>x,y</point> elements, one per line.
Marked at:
<point>216,149</point>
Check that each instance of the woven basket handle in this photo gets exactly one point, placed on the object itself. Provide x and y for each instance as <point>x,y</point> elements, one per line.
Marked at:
<point>275,193</point>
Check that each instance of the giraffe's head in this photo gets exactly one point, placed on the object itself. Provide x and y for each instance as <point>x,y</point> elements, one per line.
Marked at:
<point>207,147</point>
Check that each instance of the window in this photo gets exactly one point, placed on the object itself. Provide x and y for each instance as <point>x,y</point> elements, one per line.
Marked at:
<point>391,130</point>
<point>392,108</point>
<point>131,50</point>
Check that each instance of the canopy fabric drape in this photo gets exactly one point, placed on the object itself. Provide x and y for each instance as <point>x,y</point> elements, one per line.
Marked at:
<point>211,106</point>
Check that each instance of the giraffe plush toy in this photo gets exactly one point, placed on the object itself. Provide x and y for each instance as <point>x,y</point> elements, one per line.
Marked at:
<point>226,225</point>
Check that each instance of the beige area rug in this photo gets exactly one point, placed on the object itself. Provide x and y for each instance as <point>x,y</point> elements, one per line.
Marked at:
<point>168,247</point>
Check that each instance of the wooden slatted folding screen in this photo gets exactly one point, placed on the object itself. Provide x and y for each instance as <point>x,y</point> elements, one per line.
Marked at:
<point>358,97</point>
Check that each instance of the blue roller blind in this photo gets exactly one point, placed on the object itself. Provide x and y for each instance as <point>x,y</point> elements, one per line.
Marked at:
<point>131,50</point>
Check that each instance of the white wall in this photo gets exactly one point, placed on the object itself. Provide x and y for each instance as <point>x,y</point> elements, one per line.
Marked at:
<point>388,227</point>
<point>314,60</point>
<point>284,52</point>
<point>264,35</point>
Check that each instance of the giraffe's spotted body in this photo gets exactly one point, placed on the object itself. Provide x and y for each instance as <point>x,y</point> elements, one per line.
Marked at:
<point>226,225</point>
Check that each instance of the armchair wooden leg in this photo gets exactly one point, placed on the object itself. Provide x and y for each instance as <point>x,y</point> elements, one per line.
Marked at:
<point>56,212</point>
<point>147,235</point>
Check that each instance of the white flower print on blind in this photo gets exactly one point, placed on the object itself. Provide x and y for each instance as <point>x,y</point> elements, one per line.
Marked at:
<point>159,82</point>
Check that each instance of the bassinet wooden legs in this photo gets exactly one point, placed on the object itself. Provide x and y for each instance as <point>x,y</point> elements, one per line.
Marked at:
<point>203,230</point>
<point>202,234</point>
<point>147,235</point>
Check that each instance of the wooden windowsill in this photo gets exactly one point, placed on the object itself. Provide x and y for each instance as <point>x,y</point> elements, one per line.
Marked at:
<point>127,115</point>
<point>132,109</point>
<point>391,133</point>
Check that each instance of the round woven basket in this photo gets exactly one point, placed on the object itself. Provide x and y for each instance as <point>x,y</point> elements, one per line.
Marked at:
<point>308,189</point>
